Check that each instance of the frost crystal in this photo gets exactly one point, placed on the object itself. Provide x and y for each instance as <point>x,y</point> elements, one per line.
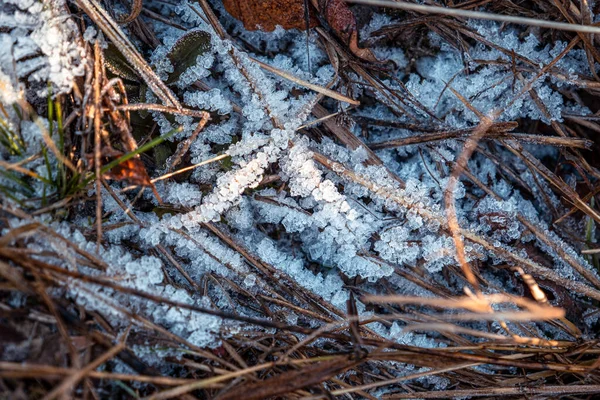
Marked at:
<point>34,28</point>
<point>290,209</point>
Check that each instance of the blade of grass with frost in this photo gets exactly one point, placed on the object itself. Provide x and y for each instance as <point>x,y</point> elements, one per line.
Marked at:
<point>9,139</point>
<point>556,141</point>
<point>95,11</point>
<point>191,167</point>
<point>530,266</point>
<point>55,113</point>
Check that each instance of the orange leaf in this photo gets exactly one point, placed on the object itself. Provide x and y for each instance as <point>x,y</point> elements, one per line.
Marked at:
<point>342,20</point>
<point>132,171</point>
<point>267,14</point>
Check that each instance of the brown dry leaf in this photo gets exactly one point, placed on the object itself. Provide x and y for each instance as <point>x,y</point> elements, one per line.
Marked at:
<point>267,14</point>
<point>342,20</point>
<point>132,171</point>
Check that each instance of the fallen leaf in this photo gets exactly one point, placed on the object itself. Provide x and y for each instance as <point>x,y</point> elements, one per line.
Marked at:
<point>186,50</point>
<point>267,14</point>
<point>132,171</point>
<point>343,22</point>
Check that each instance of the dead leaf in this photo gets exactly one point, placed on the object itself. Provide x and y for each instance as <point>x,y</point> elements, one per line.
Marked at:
<point>267,14</point>
<point>290,14</point>
<point>186,50</point>
<point>132,171</point>
<point>343,22</point>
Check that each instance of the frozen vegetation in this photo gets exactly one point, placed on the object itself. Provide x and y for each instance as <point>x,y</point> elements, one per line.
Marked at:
<point>294,210</point>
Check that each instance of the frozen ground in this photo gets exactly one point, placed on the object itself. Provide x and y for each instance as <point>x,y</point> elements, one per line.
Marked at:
<point>295,213</point>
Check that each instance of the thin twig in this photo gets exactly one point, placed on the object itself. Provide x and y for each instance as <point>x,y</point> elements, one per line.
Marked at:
<point>98,140</point>
<point>110,28</point>
<point>456,12</point>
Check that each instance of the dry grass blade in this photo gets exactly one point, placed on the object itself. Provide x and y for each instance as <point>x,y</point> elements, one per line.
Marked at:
<point>72,380</point>
<point>135,12</point>
<point>19,169</point>
<point>187,143</point>
<point>13,276</point>
<point>476,304</point>
<point>162,108</point>
<point>110,28</point>
<point>183,389</point>
<point>319,89</point>
<point>590,251</point>
<point>344,134</point>
<point>569,193</point>
<point>550,391</point>
<point>409,377</point>
<point>288,382</point>
<point>191,167</point>
<point>468,149</point>
<point>578,143</point>
<point>27,370</point>
<point>97,140</point>
<point>182,170</point>
<point>456,12</point>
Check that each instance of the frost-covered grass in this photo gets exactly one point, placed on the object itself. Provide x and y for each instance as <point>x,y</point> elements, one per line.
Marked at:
<point>436,240</point>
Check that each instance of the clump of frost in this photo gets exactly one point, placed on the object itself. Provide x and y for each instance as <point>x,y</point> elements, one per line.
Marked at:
<point>491,87</point>
<point>10,90</point>
<point>144,274</point>
<point>184,194</point>
<point>329,287</point>
<point>311,225</point>
<point>40,43</point>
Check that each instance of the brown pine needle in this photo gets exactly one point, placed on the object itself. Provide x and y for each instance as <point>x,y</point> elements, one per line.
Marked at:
<point>71,381</point>
<point>317,88</point>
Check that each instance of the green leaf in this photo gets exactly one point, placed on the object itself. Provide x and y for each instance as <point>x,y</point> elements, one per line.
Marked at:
<point>186,50</point>
<point>118,65</point>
